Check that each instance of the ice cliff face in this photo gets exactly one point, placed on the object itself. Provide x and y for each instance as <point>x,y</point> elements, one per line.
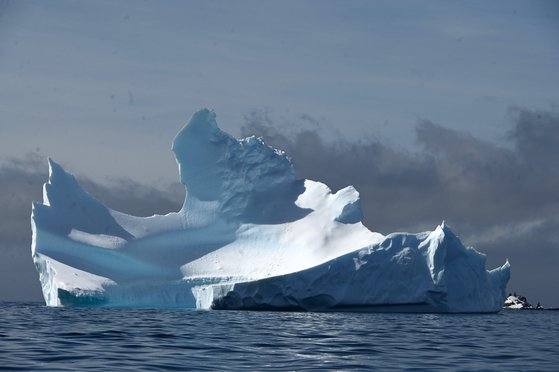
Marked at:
<point>249,236</point>
<point>428,272</point>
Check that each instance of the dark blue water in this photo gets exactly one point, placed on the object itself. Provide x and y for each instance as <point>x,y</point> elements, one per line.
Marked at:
<point>36,337</point>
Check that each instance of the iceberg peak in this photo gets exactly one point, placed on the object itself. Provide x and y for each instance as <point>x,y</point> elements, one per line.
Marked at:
<point>246,179</point>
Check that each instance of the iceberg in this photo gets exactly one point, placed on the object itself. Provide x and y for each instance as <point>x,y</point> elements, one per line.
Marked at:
<point>250,235</point>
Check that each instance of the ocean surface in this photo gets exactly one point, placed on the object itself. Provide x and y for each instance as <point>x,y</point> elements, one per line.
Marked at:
<point>35,337</point>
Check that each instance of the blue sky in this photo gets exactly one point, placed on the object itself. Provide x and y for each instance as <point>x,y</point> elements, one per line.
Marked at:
<point>112,82</point>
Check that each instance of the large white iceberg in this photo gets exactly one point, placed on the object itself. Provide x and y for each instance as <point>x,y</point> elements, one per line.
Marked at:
<point>249,236</point>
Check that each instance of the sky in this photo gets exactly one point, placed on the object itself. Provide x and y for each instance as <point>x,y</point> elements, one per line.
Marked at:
<point>439,110</point>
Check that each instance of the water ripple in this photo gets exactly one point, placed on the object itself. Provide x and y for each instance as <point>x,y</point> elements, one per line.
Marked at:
<point>40,338</point>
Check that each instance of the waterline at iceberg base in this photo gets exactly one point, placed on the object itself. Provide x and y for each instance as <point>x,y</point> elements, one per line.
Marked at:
<point>249,236</point>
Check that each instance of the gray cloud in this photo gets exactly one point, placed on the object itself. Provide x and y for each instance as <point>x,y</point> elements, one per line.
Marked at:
<point>22,181</point>
<point>503,200</point>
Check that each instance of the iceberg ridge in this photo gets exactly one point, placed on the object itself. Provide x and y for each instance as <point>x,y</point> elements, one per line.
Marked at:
<point>249,236</point>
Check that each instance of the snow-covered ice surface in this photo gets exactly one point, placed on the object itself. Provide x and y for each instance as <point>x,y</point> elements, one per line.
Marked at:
<point>249,236</point>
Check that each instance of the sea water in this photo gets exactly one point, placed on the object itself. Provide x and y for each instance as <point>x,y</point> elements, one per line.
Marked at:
<point>35,337</point>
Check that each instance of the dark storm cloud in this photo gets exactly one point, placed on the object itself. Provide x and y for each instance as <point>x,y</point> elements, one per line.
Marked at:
<point>378,171</point>
<point>503,200</point>
<point>22,181</point>
<point>536,136</point>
